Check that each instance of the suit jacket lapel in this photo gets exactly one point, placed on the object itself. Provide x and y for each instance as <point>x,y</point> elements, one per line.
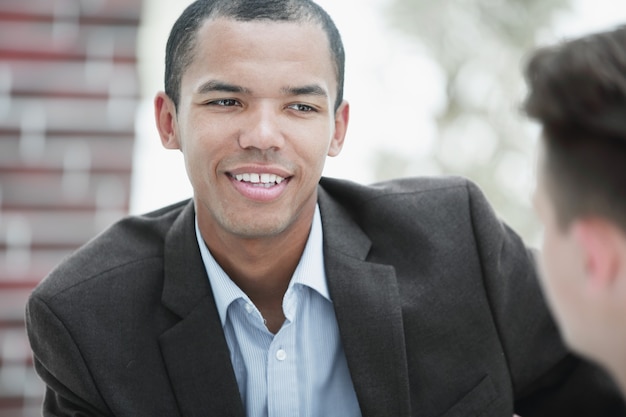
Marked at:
<point>195,350</point>
<point>366,300</point>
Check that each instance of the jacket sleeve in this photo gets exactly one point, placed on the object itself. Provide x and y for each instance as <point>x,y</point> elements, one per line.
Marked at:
<point>70,389</point>
<point>547,379</point>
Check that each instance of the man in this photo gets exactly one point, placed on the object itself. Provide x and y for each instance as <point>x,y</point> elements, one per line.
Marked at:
<point>577,91</point>
<point>273,293</point>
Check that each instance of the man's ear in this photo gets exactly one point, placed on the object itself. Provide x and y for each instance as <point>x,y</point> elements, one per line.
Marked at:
<point>165,117</point>
<point>342,117</point>
<point>599,241</point>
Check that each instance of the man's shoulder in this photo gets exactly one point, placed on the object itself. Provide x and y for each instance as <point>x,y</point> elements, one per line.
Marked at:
<point>132,243</point>
<point>391,191</point>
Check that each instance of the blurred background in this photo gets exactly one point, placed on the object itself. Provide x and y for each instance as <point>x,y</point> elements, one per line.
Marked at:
<point>435,88</point>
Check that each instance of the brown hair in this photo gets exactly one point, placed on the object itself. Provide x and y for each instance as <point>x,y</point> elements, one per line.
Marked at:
<point>577,92</point>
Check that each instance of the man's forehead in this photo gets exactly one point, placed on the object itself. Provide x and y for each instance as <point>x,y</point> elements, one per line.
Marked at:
<point>219,34</point>
<point>234,30</point>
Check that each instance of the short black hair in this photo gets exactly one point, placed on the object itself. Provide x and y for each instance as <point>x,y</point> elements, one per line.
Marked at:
<point>577,92</point>
<point>182,39</point>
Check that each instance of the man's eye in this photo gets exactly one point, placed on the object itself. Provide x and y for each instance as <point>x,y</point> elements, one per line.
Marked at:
<point>225,102</point>
<point>302,108</point>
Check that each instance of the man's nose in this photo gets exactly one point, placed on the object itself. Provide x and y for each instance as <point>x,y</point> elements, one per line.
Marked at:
<point>262,129</point>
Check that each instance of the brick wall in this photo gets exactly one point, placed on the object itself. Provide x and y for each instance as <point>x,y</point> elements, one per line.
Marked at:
<point>68,98</point>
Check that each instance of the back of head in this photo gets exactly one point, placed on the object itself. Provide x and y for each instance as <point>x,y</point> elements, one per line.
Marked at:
<point>577,91</point>
<point>181,43</point>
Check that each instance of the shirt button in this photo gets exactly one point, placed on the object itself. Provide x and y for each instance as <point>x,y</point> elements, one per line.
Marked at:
<point>281,355</point>
<point>249,308</point>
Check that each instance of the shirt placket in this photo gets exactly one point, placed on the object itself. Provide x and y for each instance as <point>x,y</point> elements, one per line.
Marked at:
<point>282,381</point>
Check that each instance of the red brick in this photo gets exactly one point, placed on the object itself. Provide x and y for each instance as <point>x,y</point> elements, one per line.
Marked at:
<point>80,115</point>
<point>111,9</point>
<point>105,154</point>
<point>61,78</point>
<point>37,40</point>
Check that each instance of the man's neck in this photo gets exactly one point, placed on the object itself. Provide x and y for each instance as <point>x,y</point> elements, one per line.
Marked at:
<point>261,267</point>
<point>264,275</point>
<point>611,353</point>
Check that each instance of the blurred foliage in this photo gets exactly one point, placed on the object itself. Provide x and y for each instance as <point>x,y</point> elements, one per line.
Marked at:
<point>480,46</point>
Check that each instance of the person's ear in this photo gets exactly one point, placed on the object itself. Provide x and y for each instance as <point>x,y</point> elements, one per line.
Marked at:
<point>599,241</point>
<point>342,117</point>
<point>165,117</point>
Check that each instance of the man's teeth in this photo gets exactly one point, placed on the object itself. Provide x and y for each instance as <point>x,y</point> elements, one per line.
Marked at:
<point>265,179</point>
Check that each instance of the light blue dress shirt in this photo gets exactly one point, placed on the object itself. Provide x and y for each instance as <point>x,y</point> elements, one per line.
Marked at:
<point>302,370</point>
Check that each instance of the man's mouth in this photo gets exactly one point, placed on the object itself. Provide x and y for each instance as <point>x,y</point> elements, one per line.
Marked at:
<point>260,180</point>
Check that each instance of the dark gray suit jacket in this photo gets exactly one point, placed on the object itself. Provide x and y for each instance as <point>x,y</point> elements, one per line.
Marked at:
<point>437,303</point>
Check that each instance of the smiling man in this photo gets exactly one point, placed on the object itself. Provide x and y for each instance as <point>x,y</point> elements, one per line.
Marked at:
<point>276,292</point>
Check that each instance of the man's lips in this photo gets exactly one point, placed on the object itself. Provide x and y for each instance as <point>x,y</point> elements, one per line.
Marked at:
<point>259,186</point>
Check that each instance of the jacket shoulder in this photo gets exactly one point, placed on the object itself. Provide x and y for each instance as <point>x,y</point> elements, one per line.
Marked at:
<point>359,196</point>
<point>129,241</point>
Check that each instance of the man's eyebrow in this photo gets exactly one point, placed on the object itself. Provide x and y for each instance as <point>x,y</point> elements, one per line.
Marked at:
<point>305,90</point>
<point>221,86</point>
<point>224,87</point>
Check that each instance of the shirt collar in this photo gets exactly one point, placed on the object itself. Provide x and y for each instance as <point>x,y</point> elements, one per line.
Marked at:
<point>309,272</point>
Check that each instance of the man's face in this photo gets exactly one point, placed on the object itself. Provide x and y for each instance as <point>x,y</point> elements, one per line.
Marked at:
<point>255,123</point>
<point>562,270</point>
